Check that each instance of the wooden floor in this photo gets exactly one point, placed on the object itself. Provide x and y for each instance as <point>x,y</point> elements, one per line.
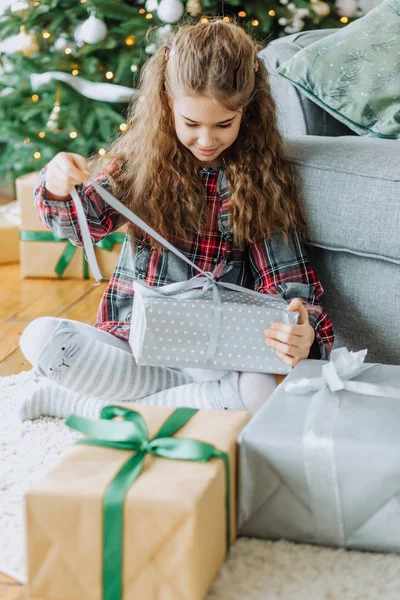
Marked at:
<point>21,301</point>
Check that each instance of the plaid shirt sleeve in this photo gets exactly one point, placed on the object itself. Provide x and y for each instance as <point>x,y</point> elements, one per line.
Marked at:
<point>285,270</point>
<point>61,217</point>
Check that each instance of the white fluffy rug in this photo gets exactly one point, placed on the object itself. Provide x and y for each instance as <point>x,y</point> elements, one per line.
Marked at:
<point>255,570</point>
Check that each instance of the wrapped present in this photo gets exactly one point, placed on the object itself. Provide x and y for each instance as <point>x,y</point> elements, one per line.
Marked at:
<point>219,328</point>
<point>115,520</point>
<point>9,233</point>
<point>44,254</point>
<point>199,323</point>
<point>320,460</point>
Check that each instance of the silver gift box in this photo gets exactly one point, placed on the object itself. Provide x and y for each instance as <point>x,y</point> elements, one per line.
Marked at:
<point>175,326</point>
<point>320,460</point>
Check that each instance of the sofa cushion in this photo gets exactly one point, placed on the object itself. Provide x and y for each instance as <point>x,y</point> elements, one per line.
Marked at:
<point>354,73</point>
<point>350,192</point>
<point>297,114</point>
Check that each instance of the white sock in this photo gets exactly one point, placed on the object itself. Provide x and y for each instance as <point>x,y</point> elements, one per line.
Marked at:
<point>52,400</point>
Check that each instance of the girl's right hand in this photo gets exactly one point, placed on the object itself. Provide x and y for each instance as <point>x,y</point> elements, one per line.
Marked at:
<point>63,172</point>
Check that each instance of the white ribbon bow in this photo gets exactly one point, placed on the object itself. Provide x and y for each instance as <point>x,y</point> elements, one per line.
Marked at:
<point>342,366</point>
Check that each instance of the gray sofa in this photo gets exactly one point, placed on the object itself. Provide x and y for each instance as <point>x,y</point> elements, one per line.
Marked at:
<point>350,193</point>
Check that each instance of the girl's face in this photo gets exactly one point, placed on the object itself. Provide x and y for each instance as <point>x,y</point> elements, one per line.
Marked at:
<point>205,127</point>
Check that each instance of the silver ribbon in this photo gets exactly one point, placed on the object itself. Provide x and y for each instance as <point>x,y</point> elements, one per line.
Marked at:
<point>318,449</point>
<point>87,240</point>
<point>192,288</point>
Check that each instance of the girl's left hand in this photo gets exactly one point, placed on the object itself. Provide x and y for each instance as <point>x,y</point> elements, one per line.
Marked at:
<point>292,342</point>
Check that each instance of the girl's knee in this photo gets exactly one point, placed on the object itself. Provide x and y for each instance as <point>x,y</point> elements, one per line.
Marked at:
<point>35,337</point>
<point>255,388</point>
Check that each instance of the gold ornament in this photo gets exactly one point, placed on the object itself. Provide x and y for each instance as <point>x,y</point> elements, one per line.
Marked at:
<point>28,43</point>
<point>52,123</point>
<point>321,9</point>
<point>194,8</point>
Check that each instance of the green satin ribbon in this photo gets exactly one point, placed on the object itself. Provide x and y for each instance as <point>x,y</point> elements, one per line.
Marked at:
<point>132,435</point>
<point>106,243</point>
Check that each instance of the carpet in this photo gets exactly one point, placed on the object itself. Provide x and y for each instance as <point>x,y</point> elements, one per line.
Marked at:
<point>255,569</point>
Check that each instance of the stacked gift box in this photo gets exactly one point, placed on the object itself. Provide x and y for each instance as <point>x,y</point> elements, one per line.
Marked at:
<point>44,254</point>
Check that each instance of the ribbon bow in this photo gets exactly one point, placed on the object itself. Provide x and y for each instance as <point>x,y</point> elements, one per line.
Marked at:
<point>342,366</point>
<point>132,435</point>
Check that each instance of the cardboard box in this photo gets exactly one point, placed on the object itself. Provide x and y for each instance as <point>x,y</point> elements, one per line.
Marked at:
<point>9,233</point>
<point>40,258</point>
<point>174,517</point>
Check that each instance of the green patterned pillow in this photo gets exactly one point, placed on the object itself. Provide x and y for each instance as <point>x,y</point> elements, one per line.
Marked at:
<point>354,73</point>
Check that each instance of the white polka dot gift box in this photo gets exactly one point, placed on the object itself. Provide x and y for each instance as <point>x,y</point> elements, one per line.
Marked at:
<point>198,323</point>
<point>211,326</point>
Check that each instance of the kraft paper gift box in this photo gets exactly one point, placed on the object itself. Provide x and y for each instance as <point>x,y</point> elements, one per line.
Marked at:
<point>173,524</point>
<point>320,460</point>
<point>9,233</point>
<point>44,254</point>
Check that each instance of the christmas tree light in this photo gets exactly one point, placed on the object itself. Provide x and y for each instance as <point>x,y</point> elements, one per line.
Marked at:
<point>106,43</point>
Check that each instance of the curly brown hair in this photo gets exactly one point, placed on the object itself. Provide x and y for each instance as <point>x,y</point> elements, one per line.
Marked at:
<point>157,177</point>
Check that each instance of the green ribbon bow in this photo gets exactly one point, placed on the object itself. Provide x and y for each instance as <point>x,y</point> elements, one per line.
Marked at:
<point>106,243</point>
<point>132,435</point>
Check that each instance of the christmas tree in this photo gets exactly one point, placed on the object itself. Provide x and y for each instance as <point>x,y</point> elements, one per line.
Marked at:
<point>69,68</point>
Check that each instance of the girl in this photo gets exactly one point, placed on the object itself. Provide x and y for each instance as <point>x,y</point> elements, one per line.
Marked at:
<point>202,162</point>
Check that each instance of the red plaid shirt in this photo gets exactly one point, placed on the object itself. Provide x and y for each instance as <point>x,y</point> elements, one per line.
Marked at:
<point>268,265</point>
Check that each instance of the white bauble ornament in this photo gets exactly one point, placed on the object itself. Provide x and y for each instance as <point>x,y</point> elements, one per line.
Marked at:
<point>152,49</point>
<point>347,8</point>
<point>61,43</point>
<point>322,9</point>
<point>93,30</point>
<point>78,36</point>
<point>151,5</point>
<point>170,11</point>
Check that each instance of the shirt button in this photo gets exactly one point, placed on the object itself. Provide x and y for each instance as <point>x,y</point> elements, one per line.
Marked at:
<point>215,261</point>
